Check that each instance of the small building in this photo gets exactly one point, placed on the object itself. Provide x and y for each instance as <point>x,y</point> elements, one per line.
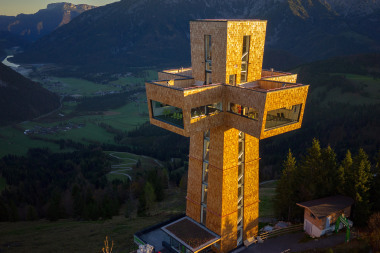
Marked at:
<point>321,214</point>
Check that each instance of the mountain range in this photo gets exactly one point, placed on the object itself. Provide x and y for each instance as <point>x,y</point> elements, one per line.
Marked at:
<point>134,33</point>
<point>33,26</point>
<point>22,99</point>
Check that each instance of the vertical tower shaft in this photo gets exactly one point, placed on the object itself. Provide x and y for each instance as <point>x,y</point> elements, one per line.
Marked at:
<point>223,184</point>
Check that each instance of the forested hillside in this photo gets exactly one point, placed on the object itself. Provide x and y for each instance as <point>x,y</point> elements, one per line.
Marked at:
<point>22,99</point>
<point>318,173</point>
<point>342,110</point>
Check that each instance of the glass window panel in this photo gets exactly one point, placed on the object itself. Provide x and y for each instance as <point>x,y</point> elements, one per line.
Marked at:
<point>241,158</point>
<point>203,215</point>
<point>240,213</point>
<point>205,172</point>
<point>235,108</point>
<point>283,116</point>
<point>240,169</point>
<point>208,78</point>
<point>244,67</point>
<point>241,147</point>
<point>240,182</point>
<point>167,113</point>
<point>204,194</point>
<point>244,111</point>
<point>252,113</point>
<point>240,203</point>
<point>206,150</point>
<point>198,111</point>
<point>208,65</point>
<point>232,79</point>
<point>208,47</point>
<point>243,77</point>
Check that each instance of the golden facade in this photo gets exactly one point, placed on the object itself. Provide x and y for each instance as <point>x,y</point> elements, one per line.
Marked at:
<point>226,103</point>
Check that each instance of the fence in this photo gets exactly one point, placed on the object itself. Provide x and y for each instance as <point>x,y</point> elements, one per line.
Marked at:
<point>281,231</point>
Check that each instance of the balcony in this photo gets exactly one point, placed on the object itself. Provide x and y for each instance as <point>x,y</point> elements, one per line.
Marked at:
<point>262,108</point>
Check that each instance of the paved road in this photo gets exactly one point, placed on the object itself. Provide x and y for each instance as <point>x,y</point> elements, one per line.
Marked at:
<point>291,241</point>
<point>123,167</point>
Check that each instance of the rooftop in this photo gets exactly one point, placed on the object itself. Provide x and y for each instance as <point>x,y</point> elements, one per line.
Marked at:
<point>326,206</point>
<point>191,234</point>
<point>227,20</point>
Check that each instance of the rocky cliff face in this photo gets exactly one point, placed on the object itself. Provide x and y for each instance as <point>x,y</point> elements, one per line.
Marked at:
<point>34,26</point>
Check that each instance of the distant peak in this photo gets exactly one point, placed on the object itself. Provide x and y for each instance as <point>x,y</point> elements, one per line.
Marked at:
<point>70,6</point>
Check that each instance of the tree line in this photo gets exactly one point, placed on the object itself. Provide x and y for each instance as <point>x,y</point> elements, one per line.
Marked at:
<point>50,185</point>
<point>318,174</point>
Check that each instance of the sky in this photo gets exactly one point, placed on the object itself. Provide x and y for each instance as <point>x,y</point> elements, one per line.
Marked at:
<point>14,7</point>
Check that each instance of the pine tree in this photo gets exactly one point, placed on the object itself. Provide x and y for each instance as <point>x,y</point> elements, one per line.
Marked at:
<point>346,177</point>
<point>309,173</point>
<point>328,173</point>
<point>360,184</point>
<point>150,196</point>
<point>285,194</point>
<point>375,188</point>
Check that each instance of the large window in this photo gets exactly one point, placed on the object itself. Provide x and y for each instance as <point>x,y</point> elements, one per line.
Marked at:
<point>208,61</point>
<point>206,110</point>
<point>283,116</point>
<point>206,152</point>
<point>240,206</point>
<point>244,111</point>
<point>167,113</point>
<point>244,59</point>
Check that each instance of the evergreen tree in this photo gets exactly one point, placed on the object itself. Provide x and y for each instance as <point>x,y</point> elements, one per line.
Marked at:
<point>309,173</point>
<point>375,188</point>
<point>328,173</point>
<point>150,196</point>
<point>285,191</point>
<point>341,181</point>
<point>360,184</point>
<point>348,175</point>
<point>146,200</point>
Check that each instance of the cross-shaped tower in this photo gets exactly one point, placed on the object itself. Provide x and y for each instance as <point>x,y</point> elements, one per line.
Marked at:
<point>225,103</point>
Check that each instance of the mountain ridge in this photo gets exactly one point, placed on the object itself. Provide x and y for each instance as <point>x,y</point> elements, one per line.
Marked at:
<point>145,33</point>
<point>44,21</point>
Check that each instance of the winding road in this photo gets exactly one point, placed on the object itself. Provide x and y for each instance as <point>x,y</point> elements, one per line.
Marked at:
<point>122,167</point>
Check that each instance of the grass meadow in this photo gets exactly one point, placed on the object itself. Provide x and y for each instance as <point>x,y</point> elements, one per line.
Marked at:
<point>266,195</point>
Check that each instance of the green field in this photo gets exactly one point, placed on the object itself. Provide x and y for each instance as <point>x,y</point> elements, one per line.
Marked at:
<point>369,91</point>
<point>126,163</point>
<point>126,118</point>
<point>14,141</point>
<point>87,236</point>
<point>267,193</point>
<point>73,86</point>
<point>132,80</point>
<point>79,236</point>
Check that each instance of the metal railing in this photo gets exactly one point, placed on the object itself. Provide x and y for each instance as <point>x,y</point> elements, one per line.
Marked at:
<point>281,231</point>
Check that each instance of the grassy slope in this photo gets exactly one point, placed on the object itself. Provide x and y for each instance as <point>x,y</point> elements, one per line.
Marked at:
<point>73,236</point>
<point>83,87</point>
<point>267,193</point>
<point>79,236</point>
<point>124,118</point>
<point>125,160</point>
<point>13,141</point>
